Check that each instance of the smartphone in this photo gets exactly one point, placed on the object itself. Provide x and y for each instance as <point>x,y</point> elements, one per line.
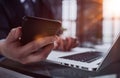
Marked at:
<point>34,27</point>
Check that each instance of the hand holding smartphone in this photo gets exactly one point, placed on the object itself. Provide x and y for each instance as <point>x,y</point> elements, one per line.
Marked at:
<point>34,27</point>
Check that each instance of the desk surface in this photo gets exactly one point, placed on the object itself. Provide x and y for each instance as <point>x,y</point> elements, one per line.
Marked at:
<point>59,71</point>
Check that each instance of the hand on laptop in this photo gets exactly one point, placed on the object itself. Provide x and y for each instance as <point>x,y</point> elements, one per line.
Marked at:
<point>31,52</point>
<point>65,44</point>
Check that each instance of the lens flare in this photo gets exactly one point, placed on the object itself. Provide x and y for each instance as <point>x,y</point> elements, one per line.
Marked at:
<point>111,7</point>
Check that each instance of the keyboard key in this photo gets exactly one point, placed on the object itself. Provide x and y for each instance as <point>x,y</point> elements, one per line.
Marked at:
<point>85,57</point>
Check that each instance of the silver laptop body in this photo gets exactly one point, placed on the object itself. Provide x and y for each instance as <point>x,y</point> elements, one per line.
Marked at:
<point>110,54</point>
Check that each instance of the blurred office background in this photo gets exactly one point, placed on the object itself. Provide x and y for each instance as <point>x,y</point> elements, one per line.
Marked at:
<point>93,22</point>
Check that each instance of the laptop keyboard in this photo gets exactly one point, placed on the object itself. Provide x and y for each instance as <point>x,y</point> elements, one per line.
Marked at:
<point>85,57</point>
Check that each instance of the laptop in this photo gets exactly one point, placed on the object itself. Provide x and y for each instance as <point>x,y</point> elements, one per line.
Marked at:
<point>90,59</point>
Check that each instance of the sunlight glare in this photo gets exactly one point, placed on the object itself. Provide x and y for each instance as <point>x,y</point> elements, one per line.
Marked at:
<point>111,8</point>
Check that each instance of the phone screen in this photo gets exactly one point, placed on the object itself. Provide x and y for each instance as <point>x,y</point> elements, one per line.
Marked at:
<point>34,27</point>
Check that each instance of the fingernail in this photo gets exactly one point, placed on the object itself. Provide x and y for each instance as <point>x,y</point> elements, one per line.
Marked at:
<point>54,39</point>
<point>13,29</point>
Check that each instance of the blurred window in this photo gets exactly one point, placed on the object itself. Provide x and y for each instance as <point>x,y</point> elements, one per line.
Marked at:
<point>69,14</point>
<point>111,19</point>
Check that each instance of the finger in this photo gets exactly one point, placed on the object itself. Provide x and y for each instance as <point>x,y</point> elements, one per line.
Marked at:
<point>14,34</point>
<point>57,43</point>
<point>38,55</point>
<point>69,43</point>
<point>61,44</point>
<point>76,43</point>
<point>35,45</point>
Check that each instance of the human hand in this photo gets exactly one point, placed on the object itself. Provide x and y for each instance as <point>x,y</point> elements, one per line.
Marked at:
<point>65,44</point>
<point>32,52</point>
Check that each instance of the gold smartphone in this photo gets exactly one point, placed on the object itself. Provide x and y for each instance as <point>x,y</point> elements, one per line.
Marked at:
<point>34,27</point>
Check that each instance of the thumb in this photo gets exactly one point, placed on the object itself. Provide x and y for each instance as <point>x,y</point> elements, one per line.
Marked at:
<point>14,34</point>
